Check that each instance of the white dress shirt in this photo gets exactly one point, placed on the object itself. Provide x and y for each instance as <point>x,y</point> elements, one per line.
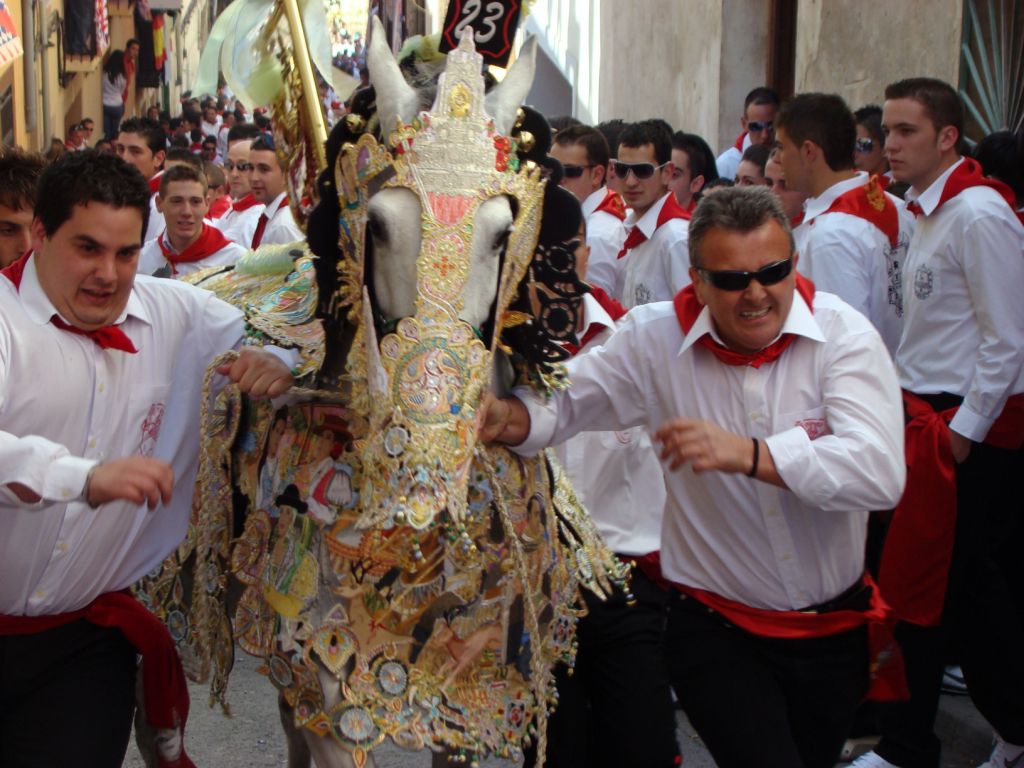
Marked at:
<point>659,267</point>
<point>964,312</point>
<point>152,258</point>
<point>828,410</point>
<point>605,235</point>
<point>852,258</point>
<point>65,405</point>
<point>281,227</point>
<point>156,224</point>
<point>616,474</point>
<point>728,162</point>
<point>240,225</point>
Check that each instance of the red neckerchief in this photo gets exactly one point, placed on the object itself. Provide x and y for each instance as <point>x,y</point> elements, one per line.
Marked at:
<point>797,220</point>
<point>886,673</point>
<point>688,309</point>
<point>670,210</point>
<point>154,182</point>
<point>107,337</point>
<point>739,141</point>
<point>966,175</point>
<point>244,203</point>
<point>164,687</point>
<point>869,202</point>
<point>612,204</point>
<point>220,206</point>
<point>209,242</point>
<point>614,309</point>
<point>919,543</point>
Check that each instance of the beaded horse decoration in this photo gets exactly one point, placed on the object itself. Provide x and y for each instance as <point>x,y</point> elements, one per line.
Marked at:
<point>403,581</point>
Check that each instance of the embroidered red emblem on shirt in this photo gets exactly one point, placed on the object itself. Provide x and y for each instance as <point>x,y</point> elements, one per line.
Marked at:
<point>814,428</point>
<point>150,430</point>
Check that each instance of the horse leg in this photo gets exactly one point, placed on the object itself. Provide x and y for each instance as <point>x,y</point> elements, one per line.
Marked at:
<point>298,750</point>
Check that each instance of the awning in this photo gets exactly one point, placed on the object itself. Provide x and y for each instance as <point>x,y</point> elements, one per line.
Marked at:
<point>10,43</point>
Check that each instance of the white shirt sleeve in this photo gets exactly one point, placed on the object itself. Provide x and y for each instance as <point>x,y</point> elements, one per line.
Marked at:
<point>837,263</point>
<point>603,265</point>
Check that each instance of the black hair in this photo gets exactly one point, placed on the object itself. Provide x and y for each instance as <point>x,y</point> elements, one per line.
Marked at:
<point>150,130</point>
<point>188,172</point>
<point>241,131</point>
<point>562,122</point>
<point>870,117</point>
<point>941,102</point>
<point>825,120</point>
<point>591,139</point>
<point>761,95</point>
<point>757,154</point>
<point>183,155</point>
<point>651,132</point>
<point>702,159</point>
<point>1000,155</point>
<point>80,178</point>
<point>611,130</point>
<point>19,174</point>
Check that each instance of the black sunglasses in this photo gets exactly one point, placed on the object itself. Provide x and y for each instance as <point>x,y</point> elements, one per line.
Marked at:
<point>756,126</point>
<point>640,170</point>
<point>575,171</point>
<point>737,280</point>
<point>230,166</point>
<point>864,145</point>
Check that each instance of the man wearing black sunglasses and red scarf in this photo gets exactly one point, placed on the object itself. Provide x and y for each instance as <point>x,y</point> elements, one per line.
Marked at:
<point>778,412</point>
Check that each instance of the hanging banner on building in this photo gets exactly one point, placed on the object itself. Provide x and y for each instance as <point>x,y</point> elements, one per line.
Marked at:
<point>494,24</point>
<point>10,43</point>
<point>102,28</point>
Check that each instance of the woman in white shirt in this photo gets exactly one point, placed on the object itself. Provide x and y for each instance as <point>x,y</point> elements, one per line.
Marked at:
<point>114,82</point>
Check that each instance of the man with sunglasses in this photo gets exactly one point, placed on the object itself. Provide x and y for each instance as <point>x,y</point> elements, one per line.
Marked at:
<point>652,261</point>
<point>758,123</point>
<point>583,153</point>
<point>778,412</point>
<point>239,223</point>
<point>855,236</point>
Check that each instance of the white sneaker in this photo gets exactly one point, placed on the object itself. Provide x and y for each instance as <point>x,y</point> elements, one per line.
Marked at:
<point>872,760</point>
<point>1005,755</point>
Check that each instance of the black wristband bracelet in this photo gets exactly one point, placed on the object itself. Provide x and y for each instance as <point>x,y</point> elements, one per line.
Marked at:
<point>757,455</point>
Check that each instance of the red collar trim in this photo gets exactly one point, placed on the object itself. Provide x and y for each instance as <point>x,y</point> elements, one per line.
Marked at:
<point>739,141</point>
<point>968,174</point>
<point>244,204</point>
<point>612,204</point>
<point>671,210</point>
<point>869,202</point>
<point>154,182</point>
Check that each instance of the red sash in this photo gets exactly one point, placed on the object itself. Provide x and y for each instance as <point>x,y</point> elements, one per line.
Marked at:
<point>869,202</point>
<point>919,543</point>
<point>163,681</point>
<point>688,308</point>
<point>209,242</point>
<point>612,204</point>
<point>887,681</point>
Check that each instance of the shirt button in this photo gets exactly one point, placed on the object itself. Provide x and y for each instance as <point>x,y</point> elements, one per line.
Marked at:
<point>755,416</point>
<point>101,386</point>
<point>62,546</point>
<point>65,493</point>
<point>92,442</point>
<point>39,594</point>
<point>786,557</point>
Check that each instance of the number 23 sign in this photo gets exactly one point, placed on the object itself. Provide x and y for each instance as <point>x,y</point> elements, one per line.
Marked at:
<point>493,22</point>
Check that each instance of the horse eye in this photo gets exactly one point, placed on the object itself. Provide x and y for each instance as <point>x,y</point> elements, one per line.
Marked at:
<point>501,240</point>
<point>377,229</point>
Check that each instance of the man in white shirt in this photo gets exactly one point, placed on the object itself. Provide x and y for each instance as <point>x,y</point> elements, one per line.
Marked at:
<point>778,414</point>
<point>188,244</point>
<point>653,256</point>
<point>583,153</point>
<point>758,122</point>
<point>99,392</point>
<point>267,183</point>
<point>944,567</point>
<point>239,223</point>
<point>211,121</point>
<point>856,236</point>
<point>143,143</point>
<point>693,166</point>
<point>19,174</point>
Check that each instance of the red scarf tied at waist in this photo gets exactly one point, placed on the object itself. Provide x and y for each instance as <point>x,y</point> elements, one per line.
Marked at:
<point>919,544</point>
<point>209,242</point>
<point>163,681</point>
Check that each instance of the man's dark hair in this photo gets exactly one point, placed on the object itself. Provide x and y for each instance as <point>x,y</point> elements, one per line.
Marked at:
<point>180,141</point>
<point>761,95</point>
<point>210,140</point>
<point>589,138</point>
<point>1001,156</point>
<point>822,118</point>
<point>80,178</point>
<point>19,174</point>
<point>611,130</point>
<point>262,122</point>
<point>132,41</point>
<point>735,209</point>
<point>265,143</point>
<point>183,173</point>
<point>184,155</point>
<point>871,118</point>
<point>87,121</point>
<point>663,123</point>
<point>941,102</point>
<point>648,132</point>
<point>702,159</point>
<point>560,123</point>
<point>214,175</point>
<point>240,131</point>
<point>757,154</point>
<point>150,130</point>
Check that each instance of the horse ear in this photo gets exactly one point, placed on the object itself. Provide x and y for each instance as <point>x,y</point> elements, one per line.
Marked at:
<point>395,97</point>
<point>505,98</point>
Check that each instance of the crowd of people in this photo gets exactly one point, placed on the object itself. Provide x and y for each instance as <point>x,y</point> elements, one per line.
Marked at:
<point>802,535</point>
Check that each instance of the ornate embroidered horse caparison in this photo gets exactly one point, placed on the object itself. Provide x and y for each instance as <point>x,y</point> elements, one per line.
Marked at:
<point>400,580</point>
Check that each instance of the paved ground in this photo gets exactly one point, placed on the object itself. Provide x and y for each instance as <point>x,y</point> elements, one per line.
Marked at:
<point>252,737</point>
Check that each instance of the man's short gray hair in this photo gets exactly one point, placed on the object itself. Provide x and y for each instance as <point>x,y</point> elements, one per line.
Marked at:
<point>735,209</point>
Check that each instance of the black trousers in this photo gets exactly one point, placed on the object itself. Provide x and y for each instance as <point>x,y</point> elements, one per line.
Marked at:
<point>615,709</point>
<point>983,621</point>
<point>66,697</point>
<point>763,701</point>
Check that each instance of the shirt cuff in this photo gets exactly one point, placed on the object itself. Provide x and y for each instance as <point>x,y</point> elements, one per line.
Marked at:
<point>970,424</point>
<point>542,423</point>
<point>797,464</point>
<point>65,479</point>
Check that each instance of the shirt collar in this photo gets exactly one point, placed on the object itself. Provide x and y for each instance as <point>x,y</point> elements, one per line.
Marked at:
<point>816,206</point>
<point>40,309</point>
<point>593,200</point>
<point>649,221</point>
<point>594,314</point>
<point>799,322</point>
<point>929,199</point>
<point>275,205</point>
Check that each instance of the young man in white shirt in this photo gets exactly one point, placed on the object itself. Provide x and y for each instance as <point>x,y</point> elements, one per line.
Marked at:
<point>653,264</point>
<point>693,166</point>
<point>267,183</point>
<point>99,441</point>
<point>19,174</point>
<point>188,244</point>
<point>143,143</point>
<point>778,414</point>
<point>758,123</point>
<point>945,567</point>
<point>856,236</point>
<point>239,223</point>
<point>583,153</point>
